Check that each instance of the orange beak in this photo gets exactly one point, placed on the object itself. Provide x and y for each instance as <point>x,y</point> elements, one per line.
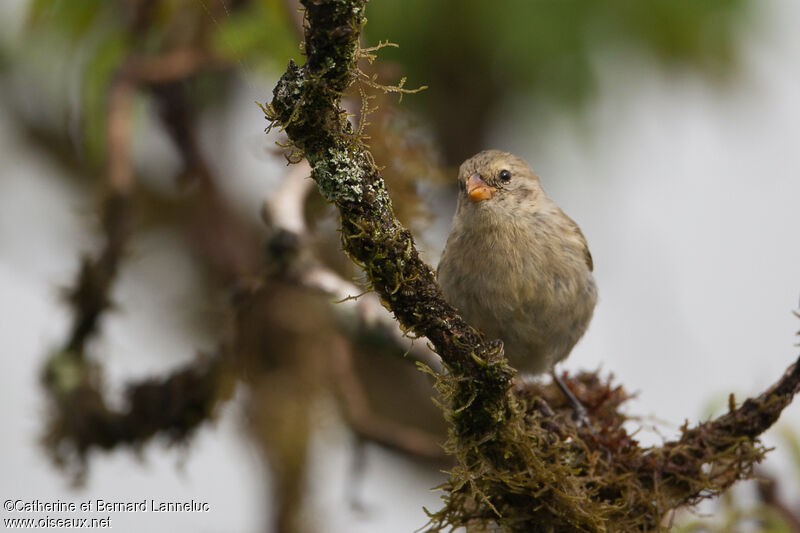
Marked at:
<point>479,190</point>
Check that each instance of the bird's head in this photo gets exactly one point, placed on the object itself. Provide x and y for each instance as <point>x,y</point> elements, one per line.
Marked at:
<point>496,181</point>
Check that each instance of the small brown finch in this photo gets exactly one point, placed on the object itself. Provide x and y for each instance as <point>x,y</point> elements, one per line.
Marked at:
<point>515,265</point>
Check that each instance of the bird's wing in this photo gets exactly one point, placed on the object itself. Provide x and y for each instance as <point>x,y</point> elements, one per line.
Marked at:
<point>587,255</point>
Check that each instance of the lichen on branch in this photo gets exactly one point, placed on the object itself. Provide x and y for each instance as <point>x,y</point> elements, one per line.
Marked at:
<point>521,462</point>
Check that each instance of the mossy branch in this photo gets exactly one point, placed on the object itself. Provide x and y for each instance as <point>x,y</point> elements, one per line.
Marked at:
<point>306,104</point>
<point>521,463</point>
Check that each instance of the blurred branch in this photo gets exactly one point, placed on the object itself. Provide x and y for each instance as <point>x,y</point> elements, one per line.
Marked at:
<point>82,418</point>
<point>520,464</point>
<point>120,103</point>
<point>284,213</point>
<point>174,406</point>
<point>768,492</point>
<point>368,425</point>
<point>177,404</point>
<point>221,236</point>
<point>172,66</point>
<point>90,296</point>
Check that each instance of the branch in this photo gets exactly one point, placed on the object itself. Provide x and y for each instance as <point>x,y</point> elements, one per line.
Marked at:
<point>368,425</point>
<point>173,66</point>
<point>306,104</point>
<point>81,417</point>
<point>521,463</point>
<point>769,495</point>
<point>173,406</point>
<point>90,296</point>
<point>284,215</point>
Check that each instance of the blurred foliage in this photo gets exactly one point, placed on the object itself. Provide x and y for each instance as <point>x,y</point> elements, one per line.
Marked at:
<point>474,55</point>
<point>547,45</point>
<point>91,40</point>
<point>74,19</point>
<point>89,35</point>
<point>262,33</point>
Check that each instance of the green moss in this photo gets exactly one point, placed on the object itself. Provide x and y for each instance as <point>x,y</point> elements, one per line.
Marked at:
<point>539,472</point>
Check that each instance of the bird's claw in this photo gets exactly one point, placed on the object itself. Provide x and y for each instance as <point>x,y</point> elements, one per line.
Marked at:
<point>579,413</point>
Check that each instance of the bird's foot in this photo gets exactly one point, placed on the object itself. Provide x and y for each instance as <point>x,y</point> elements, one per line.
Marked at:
<point>579,413</point>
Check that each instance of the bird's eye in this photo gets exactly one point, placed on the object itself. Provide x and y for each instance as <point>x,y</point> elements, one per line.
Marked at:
<point>505,176</point>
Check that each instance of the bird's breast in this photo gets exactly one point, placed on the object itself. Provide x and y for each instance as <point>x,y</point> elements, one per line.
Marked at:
<point>525,284</point>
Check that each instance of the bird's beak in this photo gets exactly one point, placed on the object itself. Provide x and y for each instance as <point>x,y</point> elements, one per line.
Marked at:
<point>478,190</point>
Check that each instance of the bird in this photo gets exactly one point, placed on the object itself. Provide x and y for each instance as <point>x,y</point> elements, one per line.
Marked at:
<point>516,266</point>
